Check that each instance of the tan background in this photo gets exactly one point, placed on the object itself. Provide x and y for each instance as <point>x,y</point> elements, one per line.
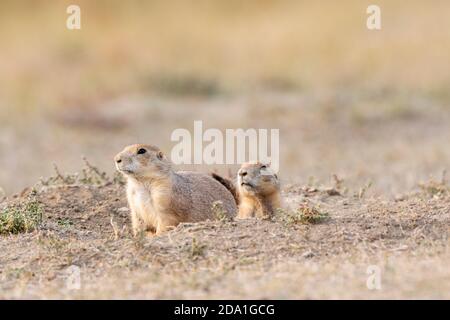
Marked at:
<point>367,105</point>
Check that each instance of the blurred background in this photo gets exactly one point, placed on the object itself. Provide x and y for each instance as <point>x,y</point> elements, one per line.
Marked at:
<point>365,105</point>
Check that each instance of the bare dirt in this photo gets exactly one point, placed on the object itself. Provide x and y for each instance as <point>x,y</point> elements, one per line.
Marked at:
<point>87,226</point>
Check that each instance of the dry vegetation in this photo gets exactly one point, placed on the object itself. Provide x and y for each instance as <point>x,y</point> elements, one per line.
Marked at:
<point>368,109</point>
<point>139,69</point>
<point>306,253</point>
<point>24,217</point>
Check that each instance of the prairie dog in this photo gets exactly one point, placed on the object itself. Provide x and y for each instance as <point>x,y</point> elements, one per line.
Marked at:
<point>160,197</point>
<point>258,190</point>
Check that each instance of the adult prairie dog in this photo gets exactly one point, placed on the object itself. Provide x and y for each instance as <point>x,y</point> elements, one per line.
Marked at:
<point>160,197</point>
<point>258,190</point>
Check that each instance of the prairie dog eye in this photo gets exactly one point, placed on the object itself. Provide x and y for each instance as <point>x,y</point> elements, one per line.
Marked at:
<point>141,151</point>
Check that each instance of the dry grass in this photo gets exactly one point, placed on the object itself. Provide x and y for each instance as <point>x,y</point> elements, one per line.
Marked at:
<point>231,259</point>
<point>305,213</point>
<point>139,70</point>
<point>23,217</point>
<point>436,189</point>
<point>211,48</point>
<point>90,175</point>
<point>218,211</point>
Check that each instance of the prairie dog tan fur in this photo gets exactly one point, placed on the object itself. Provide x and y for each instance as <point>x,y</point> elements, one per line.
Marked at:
<point>160,197</point>
<point>258,190</point>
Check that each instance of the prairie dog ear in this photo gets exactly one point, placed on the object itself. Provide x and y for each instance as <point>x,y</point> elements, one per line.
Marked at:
<point>266,170</point>
<point>160,155</point>
<point>266,164</point>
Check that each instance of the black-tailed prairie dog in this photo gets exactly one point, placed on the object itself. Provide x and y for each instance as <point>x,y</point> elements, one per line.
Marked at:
<point>160,197</point>
<point>258,190</point>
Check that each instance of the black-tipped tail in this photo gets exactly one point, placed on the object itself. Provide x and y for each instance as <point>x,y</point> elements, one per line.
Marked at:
<point>227,183</point>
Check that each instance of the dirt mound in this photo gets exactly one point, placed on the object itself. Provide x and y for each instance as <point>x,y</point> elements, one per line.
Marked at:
<point>84,211</point>
<point>87,227</point>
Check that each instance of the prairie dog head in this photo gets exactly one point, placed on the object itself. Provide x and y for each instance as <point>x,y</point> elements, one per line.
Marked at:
<point>255,178</point>
<point>142,161</point>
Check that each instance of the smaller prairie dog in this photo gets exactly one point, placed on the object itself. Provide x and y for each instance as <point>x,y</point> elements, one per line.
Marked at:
<point>258,191</point>
<point>160,197</point>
